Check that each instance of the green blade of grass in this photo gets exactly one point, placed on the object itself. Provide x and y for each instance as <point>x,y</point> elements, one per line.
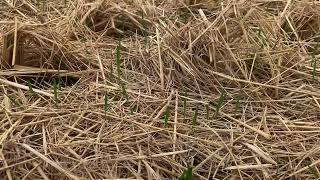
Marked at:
<point>195,117</point>
<point>207,111</point>
<point>262,36</point>
<point>187,174</point>
<point>118,63</point>
<point>14,101</point>
<point>37,2</point>
<point>44,3</point>
<point>237,104</point>
<point>314,172</point>
<point>111,76</point>
<point>59,84</point>
<point>220,104</point>
<point>145,38</point>
<point>277,169</point>
<point>106,103</point>
<point>55,91</point>
<point>118,60</point>
<point>124,91</point>
<point>314,62</point>
<point>144,27</point>
<point>166,116</point>
<point>185,103</point>
<point>314,67</point>
<point>31,89</point>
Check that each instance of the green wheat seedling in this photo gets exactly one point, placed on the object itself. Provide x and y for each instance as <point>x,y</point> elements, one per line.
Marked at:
<point>314,172</point>
<point>166,117</point>
<point>144,33</point>
<point>106,103</point>
<point>39,2</point>
<point>111,75</point>
<point>314,62</point>
<point>118,63</point>
<point>31,89</point>
<point>237,104</point>
<point>124,91</point>
<point>134,109</point>
<point>185,104</point>
<point>187,174</point>
<point>262,36</point>
<point>220,104</point>
<point>207,111</point>
<point>183,17</point>
<point>314,67</point>
<point>59,84</point>
<point>56,88</point>
<point>14,101</point>
<point>277,169</point>
<point>44,3</point>
<point>195,117</point>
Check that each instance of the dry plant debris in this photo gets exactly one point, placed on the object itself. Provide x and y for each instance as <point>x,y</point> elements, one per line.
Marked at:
<point>155,89</point>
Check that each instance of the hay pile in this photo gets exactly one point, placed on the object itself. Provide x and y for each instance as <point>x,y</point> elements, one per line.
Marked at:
<point>144,89</point>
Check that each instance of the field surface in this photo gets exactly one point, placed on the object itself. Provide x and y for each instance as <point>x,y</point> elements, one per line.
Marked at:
<point>159,89</point>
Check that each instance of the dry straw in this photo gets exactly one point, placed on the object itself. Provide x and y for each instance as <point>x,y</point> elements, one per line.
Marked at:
<point>121,89</point>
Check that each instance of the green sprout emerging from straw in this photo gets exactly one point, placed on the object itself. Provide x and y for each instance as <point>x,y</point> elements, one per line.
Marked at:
<point>166,116</point>
<point>314,172</point>
<point>144,33</point>
<point>14,100</point>
<point>118,60</point>
<point>187,174</point>
<point>314,62</point>
<point>314,67</point>
<point>124,91</point>
<point>237,104</point>
<point>195,117</point>
<point>207,111</point>
<point>185,103</point>
<point>56,88</point>
<point>220,104</point>
<point>118,63</point>
<point>31,89</point>
<point>134,109</point>
<point>43,2</point>
<point>106,103</point>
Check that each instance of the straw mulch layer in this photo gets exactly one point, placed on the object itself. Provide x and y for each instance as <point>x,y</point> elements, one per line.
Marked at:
<point>145,89</point>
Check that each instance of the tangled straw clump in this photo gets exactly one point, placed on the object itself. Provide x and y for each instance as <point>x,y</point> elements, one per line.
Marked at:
<point>155,89</point>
